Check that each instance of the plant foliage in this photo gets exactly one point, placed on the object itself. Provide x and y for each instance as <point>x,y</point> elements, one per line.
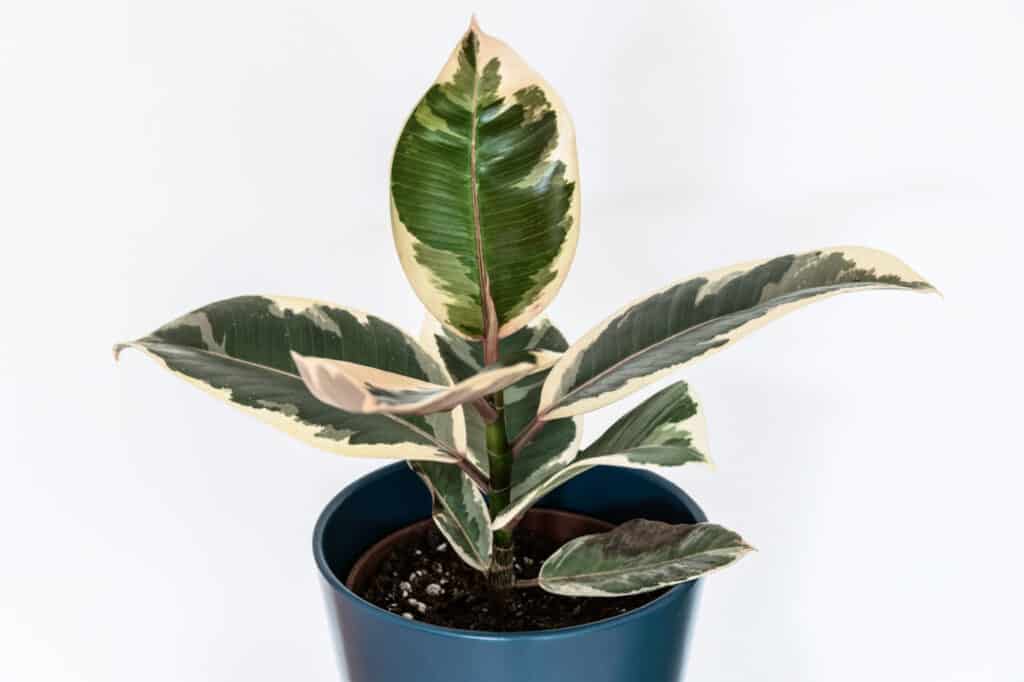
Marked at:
<point>487,405</point>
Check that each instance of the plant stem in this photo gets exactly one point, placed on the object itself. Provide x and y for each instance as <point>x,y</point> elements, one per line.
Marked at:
<point>500,459</point>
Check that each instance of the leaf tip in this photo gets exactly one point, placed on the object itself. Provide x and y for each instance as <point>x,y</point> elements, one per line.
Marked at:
<point>304,369</point>
<point>300,360</point>
<point>544,358</point>
<point>118,347</point>
<point>743,547</point>
<point>474,25</point>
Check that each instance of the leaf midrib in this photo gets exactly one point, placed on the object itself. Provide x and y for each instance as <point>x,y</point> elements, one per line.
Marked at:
<point>762,306</point>
<point>488,316</point>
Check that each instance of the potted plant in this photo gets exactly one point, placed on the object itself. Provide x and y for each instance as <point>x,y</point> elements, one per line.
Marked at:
<point>503,550</point>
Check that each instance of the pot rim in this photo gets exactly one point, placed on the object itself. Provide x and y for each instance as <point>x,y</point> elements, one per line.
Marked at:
<point>391,537</point>
<point>339,587</point>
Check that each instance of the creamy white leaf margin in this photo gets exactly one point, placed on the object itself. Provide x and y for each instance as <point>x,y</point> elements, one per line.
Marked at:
<point>592,566</point>
<point>431,330</point>
<point>310,434</point>
<point>473,445</point>
<point>883,263</point>
<point>642,457</point>
<point>516,74</point>
<point>468,532</point>
<point>357,388</point>
<point>474,442</point>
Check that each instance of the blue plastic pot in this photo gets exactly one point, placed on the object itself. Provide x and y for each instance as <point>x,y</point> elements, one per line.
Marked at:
<point>373,645</point>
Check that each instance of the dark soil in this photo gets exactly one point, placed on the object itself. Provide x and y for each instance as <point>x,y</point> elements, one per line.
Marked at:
<point>423,579</point>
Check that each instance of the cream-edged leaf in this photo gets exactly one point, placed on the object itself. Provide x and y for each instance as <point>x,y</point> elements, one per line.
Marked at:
<point>358,388</point>
<point>459,511</point>
<point>694,318</point>
<point>665,430</point>
<point>239,351</point>
<point>639,556</point>
<point>670,418</point>
<point>484,191</point>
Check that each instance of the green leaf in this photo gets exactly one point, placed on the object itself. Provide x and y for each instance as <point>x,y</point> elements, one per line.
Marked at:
<point>558,443</point>
<point>671,418</point>
<point>639,556</point>
<point>665,430</point>
<point>484,196</point>
<point>694,318</point>
<point>239,351</point>
<point>460,512</point>
<point>368,390</point>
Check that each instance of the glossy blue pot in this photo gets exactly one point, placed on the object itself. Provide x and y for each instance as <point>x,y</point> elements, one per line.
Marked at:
<point>645,645</point>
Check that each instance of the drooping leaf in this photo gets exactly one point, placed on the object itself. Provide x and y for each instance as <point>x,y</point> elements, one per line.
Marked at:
<point>665,430</point>
<point>460,512</point>
<point>696,317</point>
<point>558,443</point>
<point>368,390</point>
<point>239,350</point>
<point>484,196</point>
<point>639,556</point>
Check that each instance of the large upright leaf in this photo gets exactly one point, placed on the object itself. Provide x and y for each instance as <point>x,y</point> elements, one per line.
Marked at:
<point>484,196</point>
<point>665,430</point>
<point>558,443</point>
<point>639,556</point>
<point>239,351</point>
<point>696,317</point>
<point>367,390</point>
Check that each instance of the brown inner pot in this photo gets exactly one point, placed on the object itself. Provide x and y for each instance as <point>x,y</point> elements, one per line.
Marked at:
<point>559,526</point>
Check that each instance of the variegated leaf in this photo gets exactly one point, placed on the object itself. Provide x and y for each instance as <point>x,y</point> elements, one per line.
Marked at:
<point>694,318</point>
<point>484,196</point>
<point>460,512</point>
<point>239,351</point>
<point>665,430</point>
<point>639,556</point>
<point>368,390</point>
<point>558,443</point>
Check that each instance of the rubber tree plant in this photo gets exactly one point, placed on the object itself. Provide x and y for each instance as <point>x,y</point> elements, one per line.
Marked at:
<point>487,406</point>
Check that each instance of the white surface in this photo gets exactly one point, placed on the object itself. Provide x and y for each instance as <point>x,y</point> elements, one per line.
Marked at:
<point>158,156</point>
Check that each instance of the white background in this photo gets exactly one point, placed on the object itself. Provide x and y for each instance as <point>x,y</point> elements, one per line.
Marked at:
<point>156,156</point>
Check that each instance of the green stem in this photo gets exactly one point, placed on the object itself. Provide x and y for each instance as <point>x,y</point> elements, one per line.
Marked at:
<point>500,459</point>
